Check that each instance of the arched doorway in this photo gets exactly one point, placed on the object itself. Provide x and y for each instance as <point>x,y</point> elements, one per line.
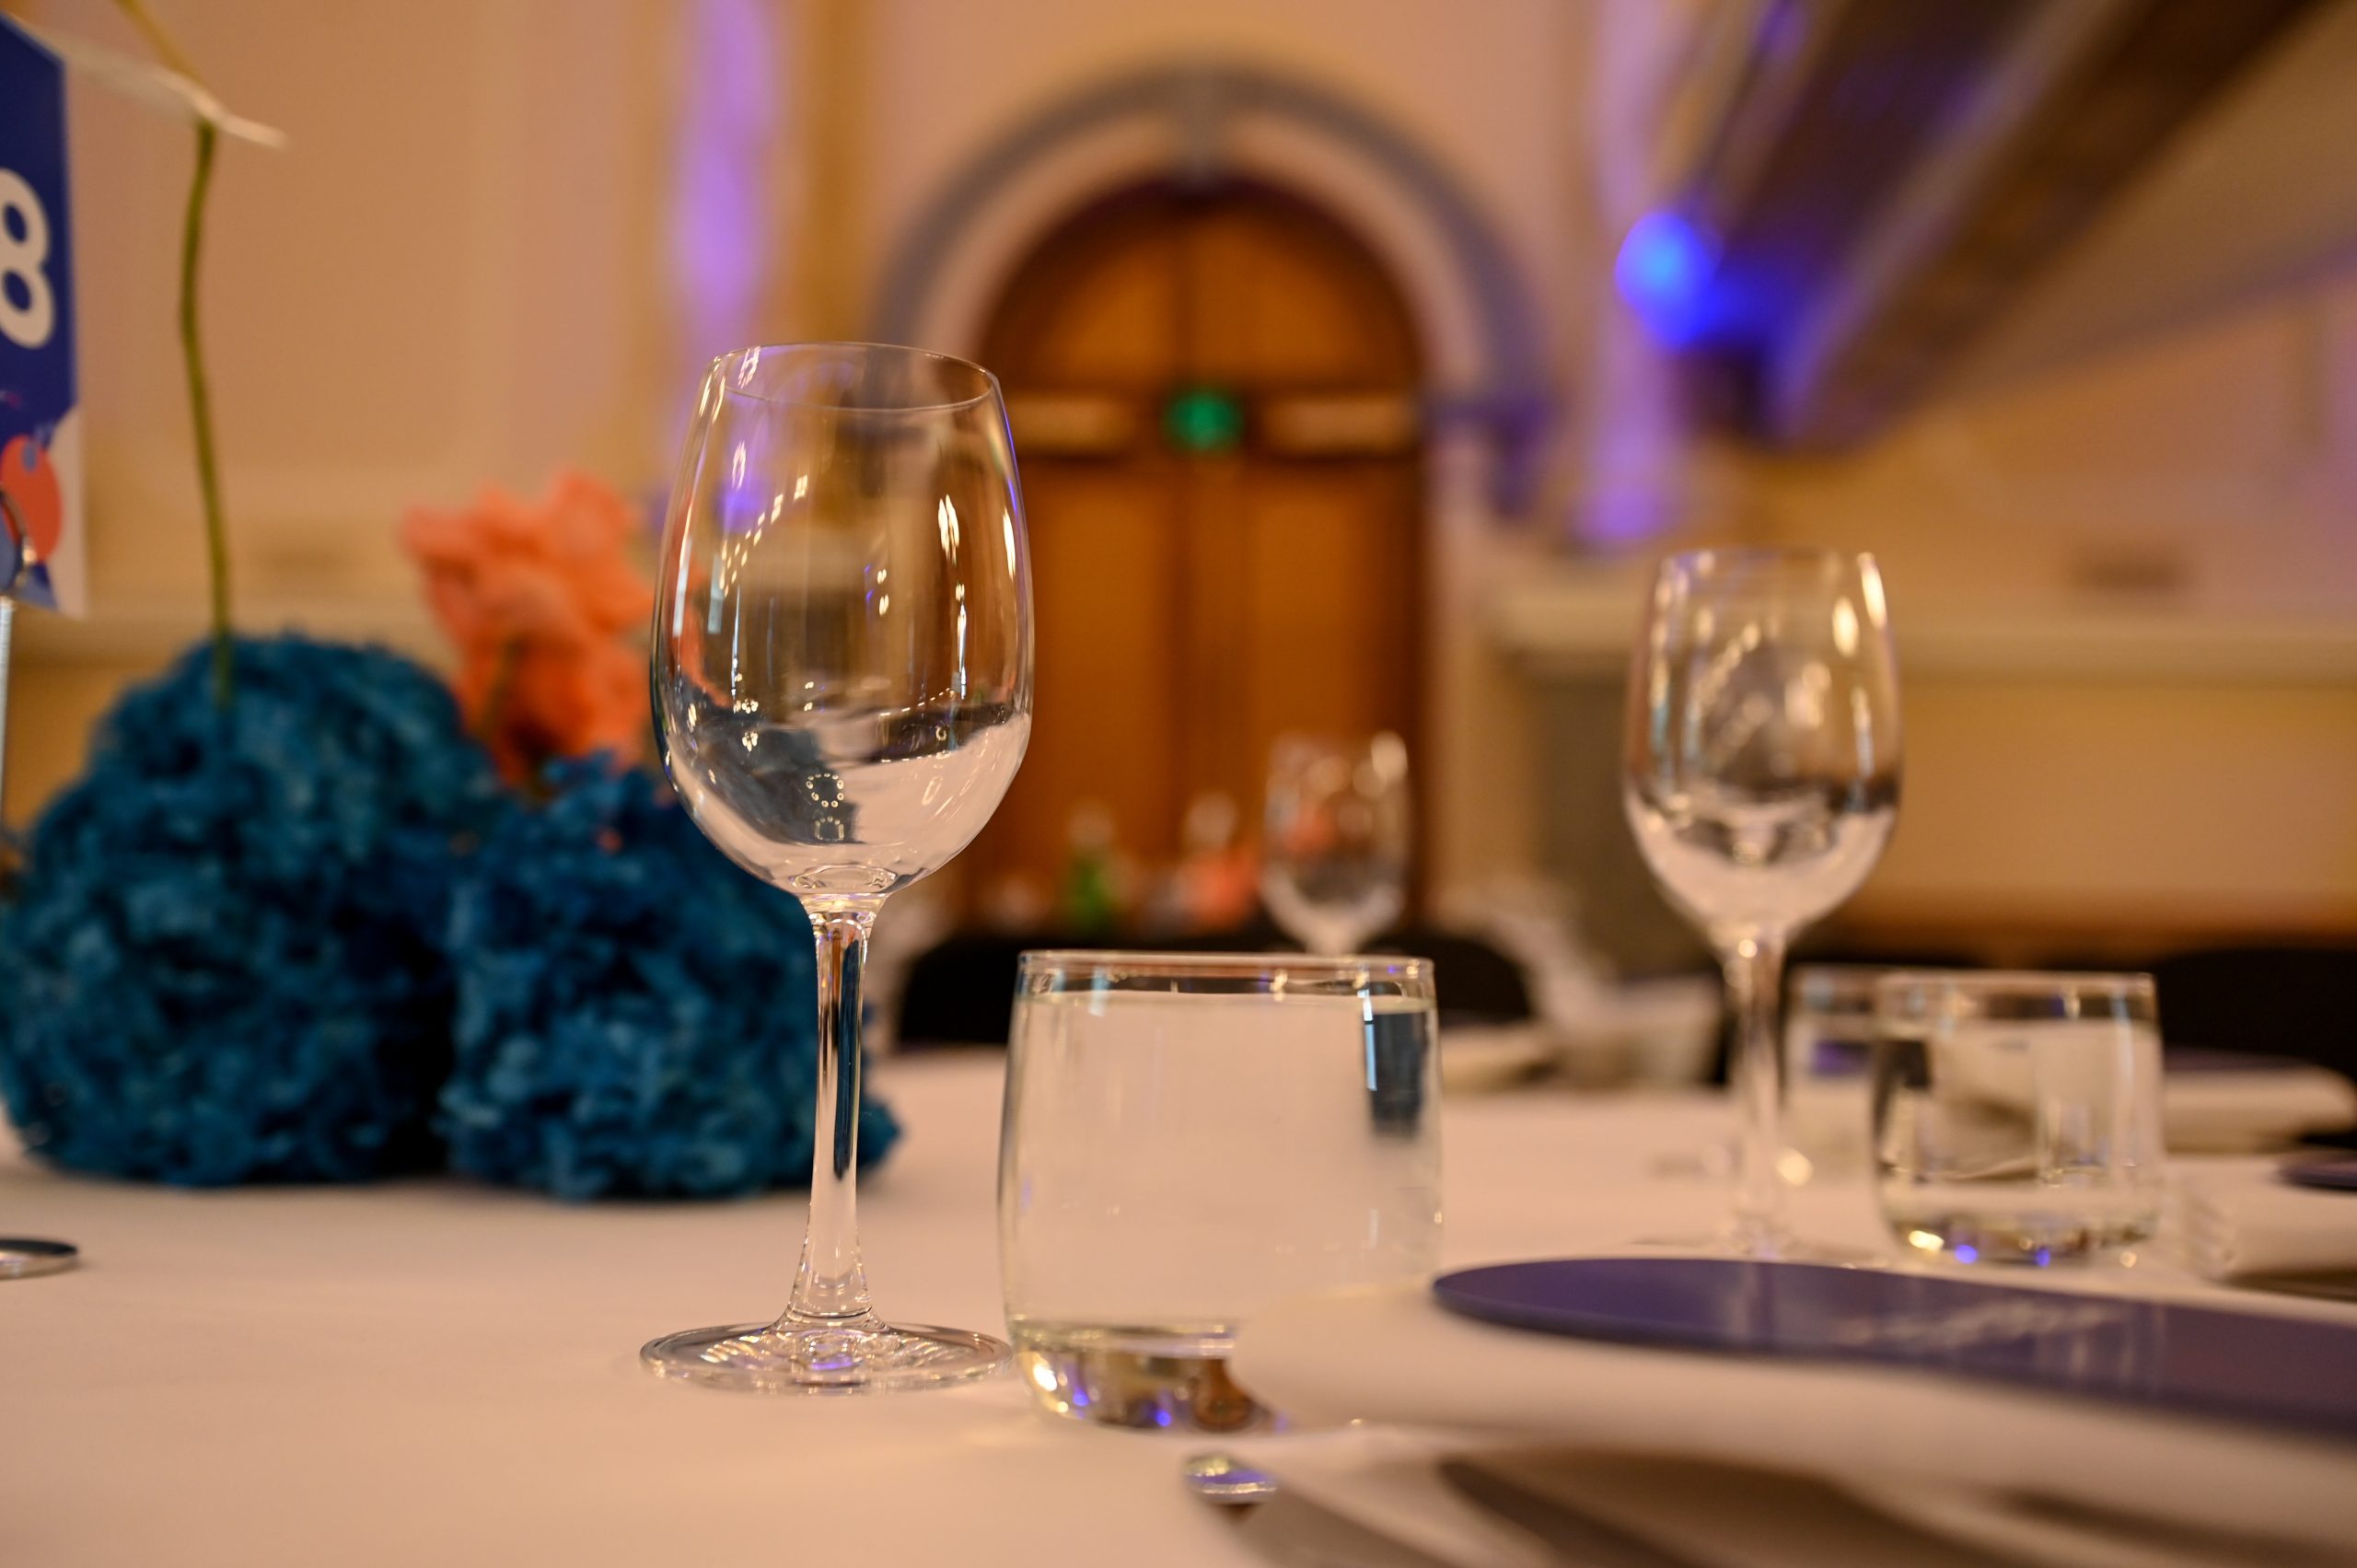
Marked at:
<point>1216,399</point>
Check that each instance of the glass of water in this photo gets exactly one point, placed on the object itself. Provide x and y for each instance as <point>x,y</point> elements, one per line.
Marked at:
<point>2017,1116</point>
<point>1190,1137</point>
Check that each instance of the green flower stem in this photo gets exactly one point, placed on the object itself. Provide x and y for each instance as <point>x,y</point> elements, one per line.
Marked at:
<point>199,399</point>
<point>200,404</point>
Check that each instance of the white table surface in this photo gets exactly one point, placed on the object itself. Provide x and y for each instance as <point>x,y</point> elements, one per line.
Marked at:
<point>430,1372</point>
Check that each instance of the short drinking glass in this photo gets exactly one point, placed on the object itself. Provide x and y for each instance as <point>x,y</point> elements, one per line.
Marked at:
<point>1190,1138</point>
<point>2017,1116</point>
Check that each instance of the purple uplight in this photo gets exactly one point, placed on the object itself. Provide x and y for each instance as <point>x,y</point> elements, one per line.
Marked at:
<point>1665,271</point>
<point>719,238</point>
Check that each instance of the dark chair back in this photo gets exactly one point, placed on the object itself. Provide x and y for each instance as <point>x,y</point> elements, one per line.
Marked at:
<point>2296,1001</point>
<point>962,992</point>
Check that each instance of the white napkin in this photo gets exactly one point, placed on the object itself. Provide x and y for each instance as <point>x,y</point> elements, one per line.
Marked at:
<point>2201,1112</point>
<point>1479,1059</point>
<point>2246,1222</point>
<point>1391,1355</point>
<point>2264,1109</point>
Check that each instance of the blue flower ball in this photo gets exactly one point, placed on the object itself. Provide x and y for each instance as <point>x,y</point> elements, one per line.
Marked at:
<point>635,1016</point>
<point>223,964</point>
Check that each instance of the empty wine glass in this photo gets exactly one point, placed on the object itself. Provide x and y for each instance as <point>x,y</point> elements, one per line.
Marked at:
<point>842,666</point>
<point>20,1257</point>
<point>1761,780</point>
<point>1334,869</point>
<point>12,857</point>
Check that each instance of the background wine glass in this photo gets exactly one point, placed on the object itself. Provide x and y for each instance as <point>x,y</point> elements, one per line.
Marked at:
<point>843,668</point>
<point>1334,866</point>
<point>20,1257</point>
<point>1761,780</point>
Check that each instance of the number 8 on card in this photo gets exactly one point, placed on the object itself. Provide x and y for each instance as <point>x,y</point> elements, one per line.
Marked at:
<point>41,477</point>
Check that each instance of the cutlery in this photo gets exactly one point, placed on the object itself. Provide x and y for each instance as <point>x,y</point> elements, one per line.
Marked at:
<point>1226,1480</point>
<point>1289,1529</point>
<point>22,1257</point>
<point>2334,1286</point>
<point>1580,1537</point>
<point>2334,1175</point>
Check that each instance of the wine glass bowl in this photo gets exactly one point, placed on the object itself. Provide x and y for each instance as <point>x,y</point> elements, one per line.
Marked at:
<point>1761,779</point>
<point>1334,860</point>
<point>843,667</point>
<point>843,676</point>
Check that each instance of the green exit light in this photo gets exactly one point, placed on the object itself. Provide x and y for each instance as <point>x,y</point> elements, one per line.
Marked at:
<point>1202,420</point>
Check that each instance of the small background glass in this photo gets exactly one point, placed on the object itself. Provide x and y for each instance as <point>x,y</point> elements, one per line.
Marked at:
<point>1336,839</point>
<point>2017,1116</point>
<point>1189,1138</point>
<point>1829,1071</point>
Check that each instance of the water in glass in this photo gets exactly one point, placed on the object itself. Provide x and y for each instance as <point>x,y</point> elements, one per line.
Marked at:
<point>1186,1145</point>
<point>2017,1116</point>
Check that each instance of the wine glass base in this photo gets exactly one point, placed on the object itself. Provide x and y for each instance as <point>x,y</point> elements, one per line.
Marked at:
<point>859,1356</point>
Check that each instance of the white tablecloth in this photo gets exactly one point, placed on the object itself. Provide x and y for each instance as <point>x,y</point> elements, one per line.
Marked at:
<point>430,1372</point>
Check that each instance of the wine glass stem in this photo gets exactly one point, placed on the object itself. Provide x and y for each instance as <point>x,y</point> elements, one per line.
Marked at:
<point>830,1285</point>
<point>1755,974</point>
<point>7,621</point>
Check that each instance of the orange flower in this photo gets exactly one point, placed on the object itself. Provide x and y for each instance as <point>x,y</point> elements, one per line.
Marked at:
<point>537,598</point>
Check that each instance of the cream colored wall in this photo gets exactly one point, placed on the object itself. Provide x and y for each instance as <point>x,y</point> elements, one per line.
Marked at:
<point>2217,466</point>
<point>452,277</point>
<point>2222,457</point>
<point>2153,810</point>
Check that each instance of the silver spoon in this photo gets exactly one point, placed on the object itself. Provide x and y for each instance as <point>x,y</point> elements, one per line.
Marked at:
<point>1226,1480</point>
<point>22,1257</point>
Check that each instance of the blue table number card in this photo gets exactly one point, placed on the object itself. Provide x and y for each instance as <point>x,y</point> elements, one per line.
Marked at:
<point>40,467</point>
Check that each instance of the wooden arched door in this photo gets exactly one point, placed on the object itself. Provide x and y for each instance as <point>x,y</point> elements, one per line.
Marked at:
<point>1215,398</point>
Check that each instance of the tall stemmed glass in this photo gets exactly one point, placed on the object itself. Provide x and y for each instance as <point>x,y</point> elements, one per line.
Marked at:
<point>1761,779</point>
<point>842,666</point>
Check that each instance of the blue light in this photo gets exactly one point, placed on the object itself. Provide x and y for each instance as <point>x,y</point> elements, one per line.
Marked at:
<point>1967,1253</point>
<point>1665,271</point>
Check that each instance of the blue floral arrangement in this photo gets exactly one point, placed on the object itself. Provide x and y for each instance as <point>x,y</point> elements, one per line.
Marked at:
<point>635,1016</point>
<point>224,962</point>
